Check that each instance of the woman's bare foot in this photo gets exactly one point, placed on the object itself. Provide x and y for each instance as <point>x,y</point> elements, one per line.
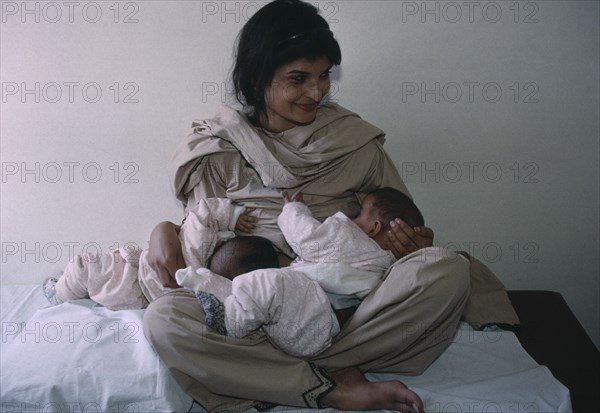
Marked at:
<point>354,392</point>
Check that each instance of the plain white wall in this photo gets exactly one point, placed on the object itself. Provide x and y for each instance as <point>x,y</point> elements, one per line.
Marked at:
<point>490,108</point>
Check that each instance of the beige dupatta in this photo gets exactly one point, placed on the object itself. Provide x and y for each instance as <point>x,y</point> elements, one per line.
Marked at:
<point>301,154</point>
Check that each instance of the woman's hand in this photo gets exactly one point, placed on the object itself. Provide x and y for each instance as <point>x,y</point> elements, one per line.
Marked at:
<point>403,239</point>
<point>246,222</point>
<point>164,253</point>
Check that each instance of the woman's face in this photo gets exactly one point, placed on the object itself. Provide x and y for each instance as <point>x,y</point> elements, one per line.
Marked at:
<point>294,92</point>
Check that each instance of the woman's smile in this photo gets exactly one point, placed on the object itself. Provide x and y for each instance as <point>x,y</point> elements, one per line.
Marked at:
<point>294,93</point>
<point>307,107</point>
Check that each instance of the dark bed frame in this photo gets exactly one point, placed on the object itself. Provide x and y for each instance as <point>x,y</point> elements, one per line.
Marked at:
<point>553,336</point>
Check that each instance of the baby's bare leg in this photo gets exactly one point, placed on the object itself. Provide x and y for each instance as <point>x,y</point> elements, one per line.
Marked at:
<point>354,392</point>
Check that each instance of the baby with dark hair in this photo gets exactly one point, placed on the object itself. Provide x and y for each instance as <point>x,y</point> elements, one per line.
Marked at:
<point>240,255</point>
<point>125,279</point>
<point>347,256</point>
<point>386,204</point>
<point>243,289</point>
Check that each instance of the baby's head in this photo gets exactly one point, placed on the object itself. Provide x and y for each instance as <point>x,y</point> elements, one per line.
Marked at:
<point>383,205</point>
<point>240,255</point>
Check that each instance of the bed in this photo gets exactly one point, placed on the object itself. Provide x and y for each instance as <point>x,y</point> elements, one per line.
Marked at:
<point>81,357</point>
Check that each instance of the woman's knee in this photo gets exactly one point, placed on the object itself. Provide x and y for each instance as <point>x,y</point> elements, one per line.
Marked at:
<point>452,270</point>
<point>153,321</point>
<point>169,313</point>
<point>434,269</point>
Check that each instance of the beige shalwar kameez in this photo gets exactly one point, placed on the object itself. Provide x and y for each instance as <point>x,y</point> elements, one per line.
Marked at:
<point>401,326</point>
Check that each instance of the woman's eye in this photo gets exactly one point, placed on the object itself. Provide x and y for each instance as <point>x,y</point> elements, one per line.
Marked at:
<point>326,75</point>
<point>299,78</point>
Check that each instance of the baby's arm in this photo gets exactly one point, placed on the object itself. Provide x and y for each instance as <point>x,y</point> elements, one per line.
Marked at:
<point>246,222</point>
<point>220,214</point>
<point>296,222</point>
<point>211,220</point>
<point>308,237</point>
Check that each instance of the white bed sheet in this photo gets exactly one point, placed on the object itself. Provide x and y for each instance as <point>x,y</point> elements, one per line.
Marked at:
<point>80,357</point>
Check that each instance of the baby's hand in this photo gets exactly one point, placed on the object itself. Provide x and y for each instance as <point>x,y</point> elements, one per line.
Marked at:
<point>297,198</point>
<point>246,222</point>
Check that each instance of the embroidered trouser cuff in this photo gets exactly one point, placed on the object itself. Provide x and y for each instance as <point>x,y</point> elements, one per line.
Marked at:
<point>326,385</point>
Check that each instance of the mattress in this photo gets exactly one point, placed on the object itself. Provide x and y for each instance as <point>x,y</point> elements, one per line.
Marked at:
<point>82,357</point>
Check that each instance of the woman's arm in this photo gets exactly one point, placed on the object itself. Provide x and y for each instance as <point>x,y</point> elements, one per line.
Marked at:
<point>165,255</point>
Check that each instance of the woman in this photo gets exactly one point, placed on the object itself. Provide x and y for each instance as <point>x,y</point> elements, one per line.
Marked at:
<point>289,140</point>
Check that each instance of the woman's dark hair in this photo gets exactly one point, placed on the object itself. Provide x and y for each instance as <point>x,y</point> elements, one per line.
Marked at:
<point>278,33</point>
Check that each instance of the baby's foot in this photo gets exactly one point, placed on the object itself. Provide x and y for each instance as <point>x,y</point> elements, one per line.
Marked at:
<point>48,286</point>
<point>214,311</point>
